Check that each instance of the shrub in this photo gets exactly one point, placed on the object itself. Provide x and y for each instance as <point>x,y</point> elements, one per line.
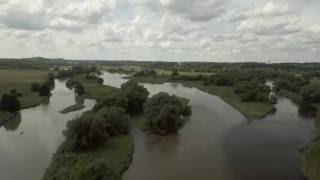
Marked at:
<point>163,113</point>
<point>100,80</point>
<point>90,130</point>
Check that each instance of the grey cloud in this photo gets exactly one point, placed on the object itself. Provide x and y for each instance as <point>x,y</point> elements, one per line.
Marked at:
<point>193,10</point>
<point>20,19</point>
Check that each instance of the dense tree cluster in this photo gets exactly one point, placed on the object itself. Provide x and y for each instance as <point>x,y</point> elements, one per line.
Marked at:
<point>136,95</point>
<point>44,88</point>
<point>311,92</point>
<point>92,129</point>
<point>10,102</point>
<point>163,113</point>
<point>77,70</point>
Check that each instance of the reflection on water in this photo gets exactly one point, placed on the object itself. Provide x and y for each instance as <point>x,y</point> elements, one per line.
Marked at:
<point>219,143</point>
<point>269,148</point>
<point>28,141</point>
<point>79,100</point>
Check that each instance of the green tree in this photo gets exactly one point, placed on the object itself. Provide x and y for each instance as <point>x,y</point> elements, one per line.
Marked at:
<point>79,89</point>
<point>163,113</point>
<point>35,87</point>
<point>100,80</point>
<point>10,102</point>
<point>44,90</point>
<point>136,95</point>
<point>92,129</point>
<point>311,92</point>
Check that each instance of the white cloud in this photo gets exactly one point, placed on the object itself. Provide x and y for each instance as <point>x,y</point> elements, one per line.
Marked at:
<point>210,30</point>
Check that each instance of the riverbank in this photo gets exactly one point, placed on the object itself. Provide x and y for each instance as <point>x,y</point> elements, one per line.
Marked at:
<point>75,166</point>
<point>116,153</point>
<point>93,90</point>
<point>251,110</point>
<point>310,156</point>
<point>20,80</point>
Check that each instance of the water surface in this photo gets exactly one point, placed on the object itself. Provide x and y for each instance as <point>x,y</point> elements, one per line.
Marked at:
<point>28,142</point>
<point>219,143</point>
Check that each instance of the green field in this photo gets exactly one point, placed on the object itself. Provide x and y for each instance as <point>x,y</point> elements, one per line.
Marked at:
<point>251,110</point>
<point>70,165</point>
<point>93,90</point>
<point>20,80</point>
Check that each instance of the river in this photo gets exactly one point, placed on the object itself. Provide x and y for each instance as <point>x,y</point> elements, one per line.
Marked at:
<point>28,142</point>
<point>219,143</point>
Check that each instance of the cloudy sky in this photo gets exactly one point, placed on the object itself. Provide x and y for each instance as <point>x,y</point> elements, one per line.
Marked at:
<point>170,30</point>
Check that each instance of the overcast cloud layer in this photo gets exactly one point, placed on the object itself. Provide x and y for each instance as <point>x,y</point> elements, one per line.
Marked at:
<point>169,30</point>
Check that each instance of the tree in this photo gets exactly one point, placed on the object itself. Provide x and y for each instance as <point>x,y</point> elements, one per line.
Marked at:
<point>136,95</point>
<point>100,80</point>
<point>92,129</point>
<point>44,90</point>
<point>79,89</point>
<point>10,102</point>
<point>163,113</point>
<point>35,87</point>
<point>175,72</point>
<point>311,92</point>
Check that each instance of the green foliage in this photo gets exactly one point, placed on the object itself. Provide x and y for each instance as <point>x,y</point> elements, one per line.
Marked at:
<point>175,72</point>
<point>10,102</point>
<point>311,93</point>
<point>79,89</point>
<point>163,113</point>
<point>100,80</point>
<point>136,95</point>
<point>92,129</point>
<point>35,87</point>
<point>45,90</point>
<point>146,72</point>
<point>117,99</point>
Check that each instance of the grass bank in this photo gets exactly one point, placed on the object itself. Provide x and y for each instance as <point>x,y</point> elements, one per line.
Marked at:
<point>20,80</point>
<point>70,165</point>
<point>93,90</point>
<point>117,152</point>
<point>251,110</point>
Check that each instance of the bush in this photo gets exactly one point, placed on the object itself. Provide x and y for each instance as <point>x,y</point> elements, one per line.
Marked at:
<point>311,93</point>
<point>100,80</point>
<point>90,130</point>
<point>163,113</point>
<point>117,99</point>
